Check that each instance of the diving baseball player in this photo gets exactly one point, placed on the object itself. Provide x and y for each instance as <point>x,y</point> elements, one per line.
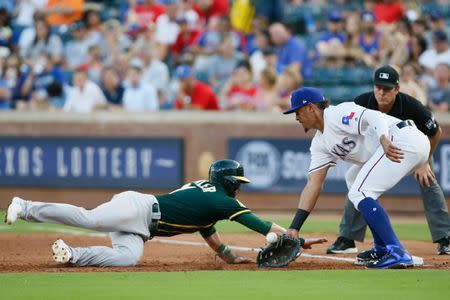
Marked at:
<point>382,149</point>
<point>132,218</point>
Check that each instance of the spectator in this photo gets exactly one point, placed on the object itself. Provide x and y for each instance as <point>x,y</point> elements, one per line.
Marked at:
<point>138,96</point>
<point>369,39</point>
<point>28,34</point>
<point>85,96</point>
<point>112,86</point>
<point>388,11</point>
<point>410,85</point>
<point>167,28</point>
<point>330,45</point>
<point>262,41</point>
<point>14,76</point>
<point>206,9</point>
<point>63,12</point>
<point>239,93</point>
<point>148,12</point>
<point>77,50</point>
<point>25,10</point>
<point>267,92</point>
<point>288,81</point>
<point>44,83</point>
<point>418,46</point>
<point>94,64</point>
<point>5,29</point>
<point>291,52</point>
<point>439,94</point>
<point>146,39</point>
<point>186,37</point>
<point>440,53</point>
<point>436,22</point>
<point>114,40</point>
<point>93,21</point>
<point>270,58</point>
<point>223,63</point>
<point>209,40</point>
<point>5,95</point>
<point>43,42</point>
<point>155,73</point>
<point>193,94</point>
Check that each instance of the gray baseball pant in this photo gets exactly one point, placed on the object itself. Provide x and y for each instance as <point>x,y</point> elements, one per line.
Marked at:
<point>127,217</point>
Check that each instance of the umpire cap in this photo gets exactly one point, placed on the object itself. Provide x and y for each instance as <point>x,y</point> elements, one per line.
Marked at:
<point>386,76</point>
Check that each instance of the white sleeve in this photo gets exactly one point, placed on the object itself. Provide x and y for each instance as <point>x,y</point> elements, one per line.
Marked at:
<point>320,157</point>
<point>355,119</point>
<point>375,120</point>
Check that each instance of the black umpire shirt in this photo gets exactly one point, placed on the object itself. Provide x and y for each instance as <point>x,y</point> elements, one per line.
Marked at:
<point>405,108</point>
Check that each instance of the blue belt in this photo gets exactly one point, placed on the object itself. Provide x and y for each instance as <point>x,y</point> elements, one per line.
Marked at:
<point>405,123</point>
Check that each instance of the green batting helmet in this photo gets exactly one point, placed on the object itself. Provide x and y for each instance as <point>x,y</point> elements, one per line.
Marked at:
<point>229,174</point>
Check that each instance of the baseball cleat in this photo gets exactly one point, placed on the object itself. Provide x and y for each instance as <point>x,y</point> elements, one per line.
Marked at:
<point>342,245</point>
<point>14,211</point>
<point>444,246</point>
<point>61,252</point>
<point>371,255</point>
<point>395,258</point>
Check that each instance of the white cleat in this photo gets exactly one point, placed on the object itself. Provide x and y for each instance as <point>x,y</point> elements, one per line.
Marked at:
<point>14,211</point>
<point>61,252</point>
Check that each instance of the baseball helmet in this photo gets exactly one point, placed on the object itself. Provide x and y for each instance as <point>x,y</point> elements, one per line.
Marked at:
<point>229,174</point>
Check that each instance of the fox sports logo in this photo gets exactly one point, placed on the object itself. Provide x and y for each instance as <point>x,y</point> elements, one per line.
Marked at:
<point>261,161</point>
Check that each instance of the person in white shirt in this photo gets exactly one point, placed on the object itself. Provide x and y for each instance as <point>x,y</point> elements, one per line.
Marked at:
<point>138,96</point>
<point>440,53</point>
<point>154,72</point>
<point>85,96</point>
<point>382,149</point>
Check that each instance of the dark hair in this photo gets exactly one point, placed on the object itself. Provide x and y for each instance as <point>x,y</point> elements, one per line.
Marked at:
<point>6,15</point>
<point>47,38</point>
<point>324,104</point>
<point>244,64</point>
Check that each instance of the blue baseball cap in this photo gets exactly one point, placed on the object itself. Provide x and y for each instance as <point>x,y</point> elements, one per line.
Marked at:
<point>183,72</point>
<point>303,96</point>
<point>335,16</point>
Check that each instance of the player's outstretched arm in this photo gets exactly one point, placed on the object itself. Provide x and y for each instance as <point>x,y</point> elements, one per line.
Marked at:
<point>223,251</point>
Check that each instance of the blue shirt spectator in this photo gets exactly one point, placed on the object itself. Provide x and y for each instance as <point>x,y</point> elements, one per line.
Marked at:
<point>290,51</point>
<point>111,86</point>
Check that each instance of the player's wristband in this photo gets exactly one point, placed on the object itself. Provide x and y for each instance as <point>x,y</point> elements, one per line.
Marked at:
<point>299,219</point>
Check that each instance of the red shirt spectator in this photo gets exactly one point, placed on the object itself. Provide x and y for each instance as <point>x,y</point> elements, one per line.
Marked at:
<point>193,93</point>
<point>208,8</point>
<point>185,38</point>
<point>388,11</point>
<point>148,12</point>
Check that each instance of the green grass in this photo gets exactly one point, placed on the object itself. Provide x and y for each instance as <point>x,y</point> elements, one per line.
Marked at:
<point>401,284</point>
<point>405,231</point>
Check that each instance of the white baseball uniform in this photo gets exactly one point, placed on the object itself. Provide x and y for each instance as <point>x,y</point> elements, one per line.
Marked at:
<point>352,133</point>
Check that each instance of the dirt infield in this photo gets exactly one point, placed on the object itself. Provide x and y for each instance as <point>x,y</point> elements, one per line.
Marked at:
<point>31,253</point>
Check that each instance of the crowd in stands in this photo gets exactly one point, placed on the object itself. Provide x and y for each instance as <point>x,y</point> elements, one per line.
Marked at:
<point>234,55</point>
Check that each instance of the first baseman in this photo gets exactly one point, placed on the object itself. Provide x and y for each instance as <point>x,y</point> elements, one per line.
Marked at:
<point>382,149</point>
<point>132,218</point>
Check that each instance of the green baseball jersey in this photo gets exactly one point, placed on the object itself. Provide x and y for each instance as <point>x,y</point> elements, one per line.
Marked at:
<point>196,206</point>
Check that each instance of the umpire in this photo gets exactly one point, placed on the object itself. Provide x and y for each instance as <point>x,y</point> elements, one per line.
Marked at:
<point>387,99</point>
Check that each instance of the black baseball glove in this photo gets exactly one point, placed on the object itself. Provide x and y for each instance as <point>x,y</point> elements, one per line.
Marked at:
<point>279,253</point>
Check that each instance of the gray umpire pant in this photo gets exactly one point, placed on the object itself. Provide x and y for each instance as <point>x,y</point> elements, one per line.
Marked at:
<point>126,217</point>
<point>353,226</point>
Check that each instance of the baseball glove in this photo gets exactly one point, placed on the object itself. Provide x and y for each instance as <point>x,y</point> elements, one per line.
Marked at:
<point>279,253</point>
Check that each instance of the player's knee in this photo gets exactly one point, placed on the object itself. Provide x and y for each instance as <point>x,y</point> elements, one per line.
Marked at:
<point>355,198</point>
<point>125,259</point>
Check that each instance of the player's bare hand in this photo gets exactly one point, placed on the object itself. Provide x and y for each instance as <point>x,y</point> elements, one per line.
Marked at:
<point>392,152</point>
<point>309,242</point>
<point>424,175</point>
<point>293,233</point>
